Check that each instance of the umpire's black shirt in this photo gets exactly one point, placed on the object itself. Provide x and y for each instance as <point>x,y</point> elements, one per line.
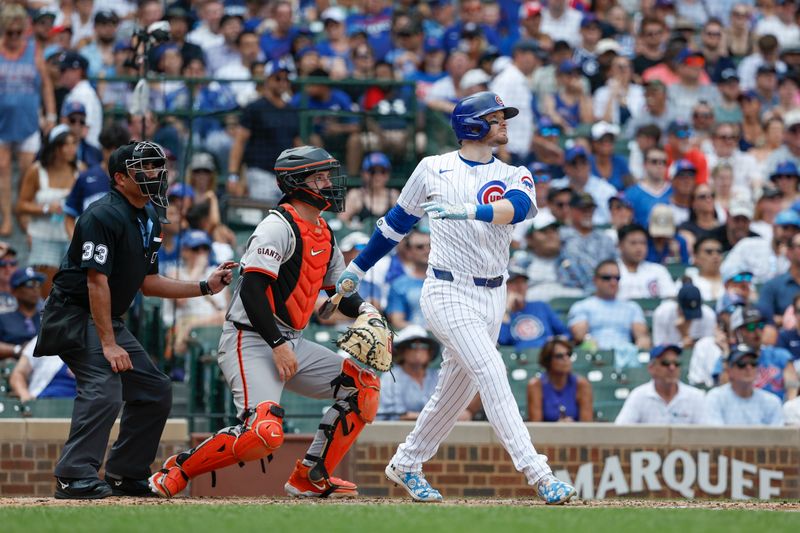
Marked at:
<point>114,238</point>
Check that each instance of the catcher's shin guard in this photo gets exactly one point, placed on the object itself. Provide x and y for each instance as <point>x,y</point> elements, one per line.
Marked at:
<point>236,444</point>
<point>359,409</point>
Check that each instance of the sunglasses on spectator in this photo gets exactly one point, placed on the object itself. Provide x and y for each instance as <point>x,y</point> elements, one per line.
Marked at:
<point>562,355</point>
<point>13,33</point>
<point>728,137</point>
<point>419,246</point>
<point>609,277</point>
<point>549,132</point>
<point>676,363</point>
<point>81,121</point>
<point>657,162</point>
<point>713,33</point>
<point>712,251</point>
<point>8,262</point>
<point>32,284</point>
<point>742,278</point>
<point>704,196</point>
<point>378,170</point>
<point>754,326</point>
<point>742,364</point>
<point>560,204</point>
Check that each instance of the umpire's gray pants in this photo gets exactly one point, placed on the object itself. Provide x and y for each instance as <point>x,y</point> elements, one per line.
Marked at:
<point>143,393</point>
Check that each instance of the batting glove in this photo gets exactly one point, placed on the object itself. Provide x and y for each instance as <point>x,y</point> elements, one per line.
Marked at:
<point>352,273</point>
<point>439,211</point>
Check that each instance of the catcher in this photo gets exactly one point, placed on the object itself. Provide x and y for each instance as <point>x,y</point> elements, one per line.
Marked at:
<point>290,257</point>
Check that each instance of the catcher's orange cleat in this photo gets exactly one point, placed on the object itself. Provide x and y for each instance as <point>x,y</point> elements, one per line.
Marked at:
<point>300,486</point>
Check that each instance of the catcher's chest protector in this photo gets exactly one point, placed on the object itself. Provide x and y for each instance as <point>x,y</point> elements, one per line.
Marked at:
<point>294,294</point>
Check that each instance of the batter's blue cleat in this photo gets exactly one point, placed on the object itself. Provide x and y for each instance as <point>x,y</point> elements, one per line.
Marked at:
<point>415,484</point>
<point>553,491</point>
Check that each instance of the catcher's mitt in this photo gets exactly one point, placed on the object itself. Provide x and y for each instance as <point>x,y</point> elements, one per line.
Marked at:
<point>369,340</point>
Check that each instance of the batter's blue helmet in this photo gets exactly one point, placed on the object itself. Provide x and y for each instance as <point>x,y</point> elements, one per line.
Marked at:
<point>466,120</point>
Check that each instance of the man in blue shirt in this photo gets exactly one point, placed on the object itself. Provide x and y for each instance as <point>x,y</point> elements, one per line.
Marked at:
<point>739,402</point>
<point>471,13</point>
<point>335,133</point>
<point>403,305</point>
<point>527,323</point>
<point>20,326</point>
<point>277,44</point>
<point>778,293</point>
<point>95,182</point>
<point>73,114</point>
<point>376,21</point>
<point>652,189</point>
<point>8,264</point>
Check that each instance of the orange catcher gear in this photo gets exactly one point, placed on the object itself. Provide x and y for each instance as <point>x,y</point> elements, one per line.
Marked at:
<point>235,444</point>
<point>340,427</point>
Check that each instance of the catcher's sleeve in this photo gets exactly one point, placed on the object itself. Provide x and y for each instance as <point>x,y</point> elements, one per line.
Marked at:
<point>254,299</point>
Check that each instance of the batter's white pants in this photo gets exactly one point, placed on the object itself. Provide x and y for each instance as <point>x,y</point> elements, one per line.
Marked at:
<point>466,319</point>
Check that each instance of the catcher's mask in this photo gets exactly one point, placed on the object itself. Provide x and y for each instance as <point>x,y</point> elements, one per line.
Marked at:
<point>147,166</point>
<point>295,165</point>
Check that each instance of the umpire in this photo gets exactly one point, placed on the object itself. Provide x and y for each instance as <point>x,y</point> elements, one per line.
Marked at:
<point>113,254</point>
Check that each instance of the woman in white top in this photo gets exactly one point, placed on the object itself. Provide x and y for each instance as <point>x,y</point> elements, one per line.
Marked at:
<point>44,187</point>
<point>705,274</point>
<point>619,99</point>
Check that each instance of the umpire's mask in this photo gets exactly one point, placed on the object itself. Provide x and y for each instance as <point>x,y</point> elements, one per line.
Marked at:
<point>148,167</point>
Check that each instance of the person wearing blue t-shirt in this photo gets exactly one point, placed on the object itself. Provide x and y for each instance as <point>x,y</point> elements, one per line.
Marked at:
<point>376,21</point>
<point>20,326</point>
<point>605,163</point>
<point>527,324</point>
<point>470,16</point>
<point>335,133</point>
<point>277,44</point>
<point>652,189</point>
<point>403,305</point>
<point>95,182</point>
<point>775,373</point>
<point>36,378</point>
<point>739,402</point>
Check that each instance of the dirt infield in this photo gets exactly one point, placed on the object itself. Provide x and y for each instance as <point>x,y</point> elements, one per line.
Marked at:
<point>775,505</point>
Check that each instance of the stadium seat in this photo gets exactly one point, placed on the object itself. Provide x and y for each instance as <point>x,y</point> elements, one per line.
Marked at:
<point>607,411</point>
<point>10,409</point>
<point>561,305</point>
<point>676,270</point>
<point>302,414</point>
<point>631,376</point>
<point>50,408</point>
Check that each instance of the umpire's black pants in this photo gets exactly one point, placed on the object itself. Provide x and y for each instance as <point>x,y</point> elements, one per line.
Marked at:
<point>143,393</point>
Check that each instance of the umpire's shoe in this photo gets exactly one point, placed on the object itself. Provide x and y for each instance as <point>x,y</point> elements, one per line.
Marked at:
<point>123,486</point>
<point>81,489</point>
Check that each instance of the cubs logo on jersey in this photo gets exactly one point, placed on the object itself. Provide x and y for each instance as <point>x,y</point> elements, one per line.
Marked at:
<point>491,192</point>
<point>527,181</point>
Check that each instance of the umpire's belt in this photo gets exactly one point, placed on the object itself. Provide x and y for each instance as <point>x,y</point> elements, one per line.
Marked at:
<point>446,275</point>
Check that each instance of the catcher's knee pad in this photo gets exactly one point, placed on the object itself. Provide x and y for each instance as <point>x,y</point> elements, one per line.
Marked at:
<point>236,444</point>
<point>360,408</point>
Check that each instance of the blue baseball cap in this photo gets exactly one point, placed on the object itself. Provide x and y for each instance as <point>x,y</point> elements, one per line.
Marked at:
<point>575,152</point>
<point>679,128</point>
<point>787,168</point>
<point>375,159</point>
<point>22,276</point>
<point>180,190</point>
<point>274,67</point>
<point>73,107</point>
<point>195,238</point>
<point>73,60</point>
<point>658,351</point>
<point>620,197</point>
<point>589,19</point>
<point>432,44</point>
<point>52,50</point>
<point>540,172</point>
<point>568,67</point>
<point>682,165</point>
<point>787,217</point>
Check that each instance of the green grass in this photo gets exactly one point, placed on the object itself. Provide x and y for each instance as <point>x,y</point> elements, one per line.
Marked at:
<point>385,518</point>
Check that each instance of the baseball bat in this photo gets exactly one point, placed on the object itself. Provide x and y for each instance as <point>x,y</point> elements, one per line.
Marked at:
<point>330,305</point>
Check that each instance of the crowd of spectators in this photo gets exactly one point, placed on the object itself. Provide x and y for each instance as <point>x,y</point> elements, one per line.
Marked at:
<point>662,136</point>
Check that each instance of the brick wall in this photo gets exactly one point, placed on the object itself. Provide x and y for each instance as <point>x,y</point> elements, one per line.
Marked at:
<point>732,462</point>
<point>29,449</point>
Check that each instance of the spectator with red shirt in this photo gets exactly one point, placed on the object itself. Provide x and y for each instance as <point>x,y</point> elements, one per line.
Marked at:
<point>679,146</point>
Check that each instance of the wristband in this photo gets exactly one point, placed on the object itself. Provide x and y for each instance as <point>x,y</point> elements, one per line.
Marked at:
<point>233,177</point>
<point>277,342</point>
<point>17,349</point>
<point>205,289</point>
<point>484,213</point>
<point>52,117</point>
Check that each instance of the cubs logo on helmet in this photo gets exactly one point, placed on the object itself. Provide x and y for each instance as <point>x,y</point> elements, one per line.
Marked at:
<point>491,192</point>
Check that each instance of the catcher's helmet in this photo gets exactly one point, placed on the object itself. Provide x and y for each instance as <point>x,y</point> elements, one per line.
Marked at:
<point>146,163</point>
<point>467,121</point>
<point>294,165</point>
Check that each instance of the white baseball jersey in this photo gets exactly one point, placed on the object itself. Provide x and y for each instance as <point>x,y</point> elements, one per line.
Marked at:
<point>464,316</point>
<point>467,246</point>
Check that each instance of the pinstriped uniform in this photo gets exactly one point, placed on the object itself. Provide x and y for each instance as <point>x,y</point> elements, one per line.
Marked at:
<point>465,317</point>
